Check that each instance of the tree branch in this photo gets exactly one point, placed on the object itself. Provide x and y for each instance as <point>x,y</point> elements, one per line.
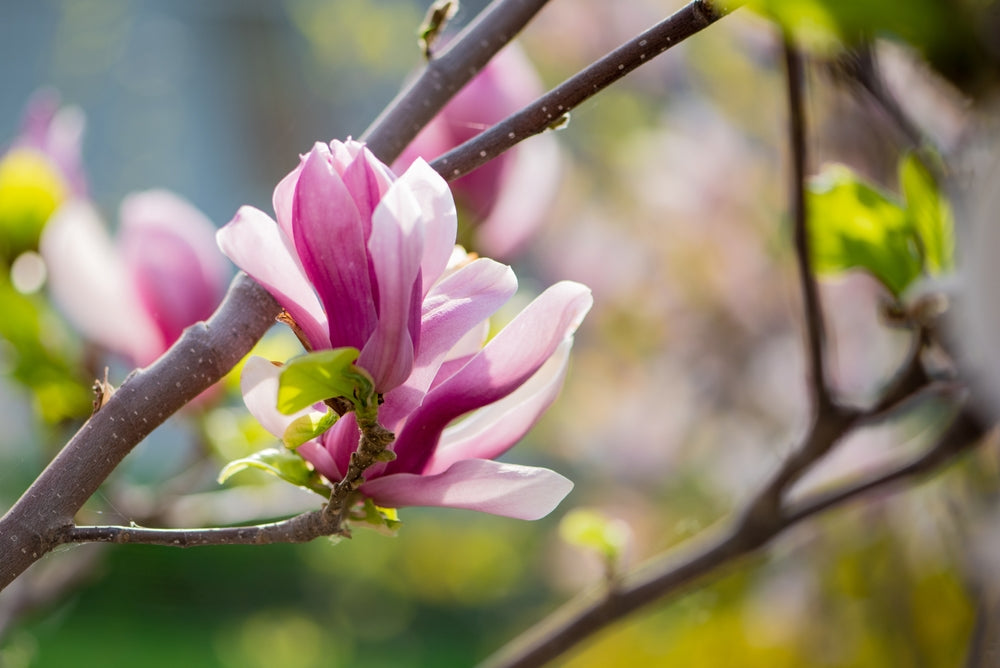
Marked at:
<point>548,109</point>
<point>672,574</point>
<point>815,330</point>
<point>203,354</point>
<point>765,516</point>
<point>445,75</point>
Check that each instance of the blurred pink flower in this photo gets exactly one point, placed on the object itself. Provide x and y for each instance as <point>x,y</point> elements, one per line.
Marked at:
<point>508,198</point>
<point>134,296</point>
<point>377,255</point>
<point>57,134</point>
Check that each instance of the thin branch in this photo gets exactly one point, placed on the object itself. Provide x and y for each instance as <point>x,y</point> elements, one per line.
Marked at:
<point>964,432</point>
<point>445,75</point>
<point>672,574</point>
<point>538,116</point>
<point>815,331</point>
<point>299,529</point>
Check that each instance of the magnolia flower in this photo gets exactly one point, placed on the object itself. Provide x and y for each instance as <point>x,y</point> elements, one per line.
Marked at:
<point>509,196</point>
<point>360,258</point>
<point>136,295</point>
<point>38,172</point>
<point>56,133</point>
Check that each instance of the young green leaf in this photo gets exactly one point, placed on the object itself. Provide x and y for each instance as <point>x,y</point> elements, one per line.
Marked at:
<point>383,520</point>
<point>592,530</point>
<point>929,213</point>
<point>854,225</point>
<point>308,427</point>
<point>318,376</point>
<point>285,464</point>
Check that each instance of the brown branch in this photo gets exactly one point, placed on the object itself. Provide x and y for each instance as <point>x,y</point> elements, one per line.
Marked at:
<point>445,75</point>
<point>815,331</point>
<point>203,354</point>
<point>766,515</point>
<point>672,574</point>
<point>538,116</point>
<point>299,529</point>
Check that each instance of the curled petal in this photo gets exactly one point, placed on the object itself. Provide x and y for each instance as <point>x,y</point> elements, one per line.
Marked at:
<point>257,246</point>
<point>438,218</point>
<point>492,430</point>
<point>284,198</point>
<point>453,310</point>
<point>507,361</point>
<point>330,242</point>
<point>396,247</point>
<point>90,282</point>
<point>509,490</point>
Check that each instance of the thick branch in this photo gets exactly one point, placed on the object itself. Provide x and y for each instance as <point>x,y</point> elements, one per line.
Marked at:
<point>548,109</point>
<point>203,354</point>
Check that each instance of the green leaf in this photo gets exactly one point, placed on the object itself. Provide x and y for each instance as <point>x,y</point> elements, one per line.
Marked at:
<point>383,520</point>
<point>318,376</point>
<point>285,464</point>
<point>592,530</point>
<point>854,225</point>
<point>929,213</point>
<point>307,428</point>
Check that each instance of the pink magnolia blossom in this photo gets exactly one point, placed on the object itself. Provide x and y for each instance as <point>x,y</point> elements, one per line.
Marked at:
<point>134,295</point>
<point>360,258</point>
<point>509,196</point>
<point>57,134</point>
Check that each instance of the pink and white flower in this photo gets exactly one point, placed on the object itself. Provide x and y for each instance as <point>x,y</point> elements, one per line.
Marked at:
<point>134,296</point>
<point>509,197</point>
<point>360,258</point>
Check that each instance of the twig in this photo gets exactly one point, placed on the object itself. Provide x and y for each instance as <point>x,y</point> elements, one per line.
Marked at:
<point>964,432</point>
<point>672,574</point>
<point>815,331</point>
<point>445,75</point>
<point>765,516</point>
<point>548,109</point>
<point>299,529</point>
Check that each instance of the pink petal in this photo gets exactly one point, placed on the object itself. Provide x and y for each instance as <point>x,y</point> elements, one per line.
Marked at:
<point>330,242</point>
<point>490,431</point>
<point>367,179</point>
<point>454,308</point>
<point>257,246</point>
<point>525,193</point>
<point>284,198</point>
<point>169,247</point>
<point>439,218</point>
<point>508,490</point>
<point>396,247</point>
<point>507,361</point>
<point>317,455</point>
<point>89,281</point>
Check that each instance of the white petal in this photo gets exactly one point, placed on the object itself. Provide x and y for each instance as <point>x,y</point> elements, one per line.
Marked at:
<point>509,490</point>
